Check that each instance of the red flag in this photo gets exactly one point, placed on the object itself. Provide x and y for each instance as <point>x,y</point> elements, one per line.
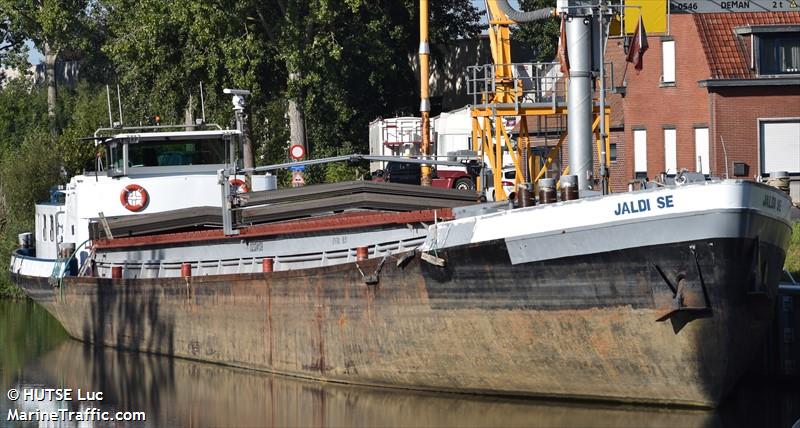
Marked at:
<point>563,57</point>
<point>638,45</point>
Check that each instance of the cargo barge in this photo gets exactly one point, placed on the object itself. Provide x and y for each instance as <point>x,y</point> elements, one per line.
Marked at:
<point>662,295</point>
<point>668,305</point>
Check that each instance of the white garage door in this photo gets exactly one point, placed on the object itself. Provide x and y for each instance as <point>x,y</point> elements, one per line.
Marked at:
<point>780,146</point>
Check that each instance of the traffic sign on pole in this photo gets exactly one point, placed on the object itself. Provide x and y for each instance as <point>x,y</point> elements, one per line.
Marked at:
<point>297,179</point>
<point>297,152</point>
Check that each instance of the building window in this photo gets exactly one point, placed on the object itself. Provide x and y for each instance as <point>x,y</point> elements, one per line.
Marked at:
<point>668,61</point>
<point>612,151</point>
<point>639,151</point>
<point>779,53</point>
<point>670,152</point>
<point>701,152</point>
<point>780,146</point>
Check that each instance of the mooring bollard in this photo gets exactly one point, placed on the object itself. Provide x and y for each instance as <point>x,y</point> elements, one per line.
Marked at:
<point>267,264</point>
<point>569,187</point>
<point>186,270</point>
<point>547,191</point>
<point>116,271</point>
<point>362,253</point>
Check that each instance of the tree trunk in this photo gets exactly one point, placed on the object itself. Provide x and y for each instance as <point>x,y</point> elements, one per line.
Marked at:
<point>50,56</point>
<point>188,115</point>
<point>297,127</point>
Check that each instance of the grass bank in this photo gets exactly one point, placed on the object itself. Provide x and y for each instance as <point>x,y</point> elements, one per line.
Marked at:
<point>793,254</point>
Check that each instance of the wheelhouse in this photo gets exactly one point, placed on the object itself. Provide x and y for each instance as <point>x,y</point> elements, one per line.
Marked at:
<point>169,152</point>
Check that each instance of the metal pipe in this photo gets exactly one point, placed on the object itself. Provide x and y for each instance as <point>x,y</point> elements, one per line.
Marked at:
<point>569,188</point>
<point>603,135</point>
<point>579,100</point>
<point>202,102</point>
<point>119,104</point>
<point>110,118</point>
<point>547,191</point>
<point>425,103</point>
<point>520,16</point>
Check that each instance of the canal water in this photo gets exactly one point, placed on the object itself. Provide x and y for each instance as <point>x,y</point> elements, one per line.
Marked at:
<point>36,354</point>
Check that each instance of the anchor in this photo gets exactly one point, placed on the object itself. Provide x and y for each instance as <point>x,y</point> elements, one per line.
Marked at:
<point>683,300</point>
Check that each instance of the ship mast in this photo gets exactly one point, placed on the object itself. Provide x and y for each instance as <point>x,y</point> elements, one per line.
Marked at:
<point>425,103</point>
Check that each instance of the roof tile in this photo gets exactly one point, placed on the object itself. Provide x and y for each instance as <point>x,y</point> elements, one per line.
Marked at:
<point>727,57</point>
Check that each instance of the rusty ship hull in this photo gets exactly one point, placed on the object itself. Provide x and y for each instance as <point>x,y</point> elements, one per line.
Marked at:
<point>673,322</point>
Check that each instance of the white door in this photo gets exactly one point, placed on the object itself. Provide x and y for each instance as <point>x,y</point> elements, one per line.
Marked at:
<point>701,154</point>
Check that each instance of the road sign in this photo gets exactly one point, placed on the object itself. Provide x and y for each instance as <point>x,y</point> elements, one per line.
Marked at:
<point>297,179</point>
<point>297,152</point>
<point>297,168</point>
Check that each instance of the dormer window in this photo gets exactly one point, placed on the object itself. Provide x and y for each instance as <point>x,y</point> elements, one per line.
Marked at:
<point>774,49</point>
<point>779,53</point>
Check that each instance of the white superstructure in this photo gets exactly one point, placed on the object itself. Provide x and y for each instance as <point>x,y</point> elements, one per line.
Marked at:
<point>141,173</point>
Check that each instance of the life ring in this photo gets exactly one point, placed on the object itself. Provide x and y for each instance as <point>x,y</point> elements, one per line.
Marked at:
<point>133,197</point>
<point>240,185</point>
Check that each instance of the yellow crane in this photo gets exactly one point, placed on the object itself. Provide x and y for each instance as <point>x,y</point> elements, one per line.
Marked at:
<point>524,93</point>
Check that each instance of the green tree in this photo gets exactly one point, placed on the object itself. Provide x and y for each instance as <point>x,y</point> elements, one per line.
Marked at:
<point>542,35</point>
<point>348,62</point>
<point>334,65</point>
<point>56,28</point>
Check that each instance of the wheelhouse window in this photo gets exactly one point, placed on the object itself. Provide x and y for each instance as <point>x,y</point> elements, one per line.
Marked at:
<point>115,159</point>
<point>179,152</point>
<point>779,53</point>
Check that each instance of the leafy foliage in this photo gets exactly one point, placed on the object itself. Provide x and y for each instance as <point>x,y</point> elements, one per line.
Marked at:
<point>543,35</point>
<point>793,253</point>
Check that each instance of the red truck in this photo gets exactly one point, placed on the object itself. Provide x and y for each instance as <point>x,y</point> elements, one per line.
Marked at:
<point>410,173</point>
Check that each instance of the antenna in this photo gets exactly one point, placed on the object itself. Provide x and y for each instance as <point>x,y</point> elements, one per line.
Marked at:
<point>108,98</point>
<point>726,156</point>
<point>202,102</point>
<point>119,103</point>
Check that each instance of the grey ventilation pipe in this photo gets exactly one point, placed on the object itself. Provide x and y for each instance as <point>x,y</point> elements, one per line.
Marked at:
<point>579,100</point>
<point>518,16</point>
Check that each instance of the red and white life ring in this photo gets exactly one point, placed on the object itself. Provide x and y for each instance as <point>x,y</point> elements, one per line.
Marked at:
<point>240,185</point>
<point>133,197</point>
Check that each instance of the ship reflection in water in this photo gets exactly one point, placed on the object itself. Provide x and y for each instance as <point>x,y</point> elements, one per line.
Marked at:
<point>175,392</point>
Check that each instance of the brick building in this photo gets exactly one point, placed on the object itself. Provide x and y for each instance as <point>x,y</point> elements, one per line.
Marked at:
<point>719,94</point>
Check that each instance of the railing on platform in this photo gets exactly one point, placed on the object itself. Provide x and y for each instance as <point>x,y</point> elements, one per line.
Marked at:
<point>527,84</point>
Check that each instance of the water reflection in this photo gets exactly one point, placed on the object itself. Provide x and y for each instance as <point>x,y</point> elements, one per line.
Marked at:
<point>176,392</point>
